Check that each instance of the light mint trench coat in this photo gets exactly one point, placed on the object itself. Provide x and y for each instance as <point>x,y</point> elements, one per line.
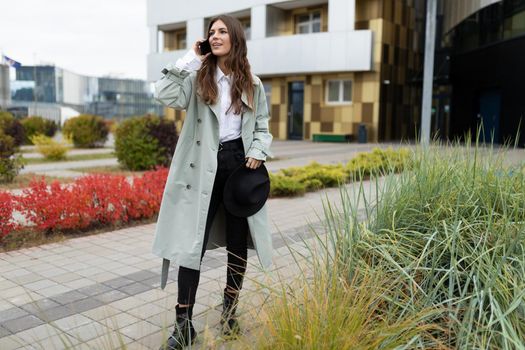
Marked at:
<point>179,233</point>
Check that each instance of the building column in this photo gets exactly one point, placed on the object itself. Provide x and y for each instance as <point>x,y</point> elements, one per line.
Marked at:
<point>258,22</point>
<point>194,31</point>
<point>341,15</point>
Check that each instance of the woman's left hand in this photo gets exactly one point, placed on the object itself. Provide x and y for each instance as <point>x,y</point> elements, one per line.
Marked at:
<point>253,163</point>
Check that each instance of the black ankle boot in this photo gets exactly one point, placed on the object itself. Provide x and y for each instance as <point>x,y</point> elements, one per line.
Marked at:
<point>184,334</point>
<point>230,325</point>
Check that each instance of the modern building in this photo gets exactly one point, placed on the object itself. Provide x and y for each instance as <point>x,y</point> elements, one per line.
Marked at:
<point>481,74</point>
<point>5,94</point>
<point>329,67</point>
<point>56,93</point>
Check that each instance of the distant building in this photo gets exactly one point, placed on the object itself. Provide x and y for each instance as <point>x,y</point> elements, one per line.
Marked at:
<point>5,93</point>
<point>328,67</point>
<point>480,75</point>
<point>56,93</point>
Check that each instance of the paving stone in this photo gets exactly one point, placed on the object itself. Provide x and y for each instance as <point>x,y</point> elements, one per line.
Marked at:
<point>57,313</point>
<point>12,313</point>
<point>4,332</point>
<point>140,276</point>
<point>95,289</point>
<point>58,342</point>
<point>73,321</point>
<point>89,331</point>
<point>134,288</point>
<point>11,342</point>
<point>139,330</point>
<point>128,303</point>
<point>110,340</point>
<point>118,282</point>
<point>145,311</point>
<point>69,297</point>
<point>40,285</point>
<point>80,306</point>
<point>120,320</point>
<point>101,312</point>
<point>43,331</point>
<point>110,296</point>
<point>39,306</point>
<point>22,323</point>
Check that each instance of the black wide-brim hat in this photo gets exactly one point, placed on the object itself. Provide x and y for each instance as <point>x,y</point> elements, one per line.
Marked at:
<point>246,190</point>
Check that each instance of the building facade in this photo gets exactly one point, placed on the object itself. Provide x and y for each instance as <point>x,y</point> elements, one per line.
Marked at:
<point>50,91</point>
<point>485,45</point>
<point>328,66</point>
<point>5,94</point>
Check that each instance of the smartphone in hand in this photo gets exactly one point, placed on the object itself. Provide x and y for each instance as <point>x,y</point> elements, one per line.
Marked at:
<point>205,47</point>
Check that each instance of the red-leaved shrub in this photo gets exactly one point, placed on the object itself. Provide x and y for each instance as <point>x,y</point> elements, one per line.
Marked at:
<point>6,213</point>
<point>92,200</point>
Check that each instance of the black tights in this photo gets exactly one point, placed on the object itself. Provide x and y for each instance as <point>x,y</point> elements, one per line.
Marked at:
<point>236,230</point>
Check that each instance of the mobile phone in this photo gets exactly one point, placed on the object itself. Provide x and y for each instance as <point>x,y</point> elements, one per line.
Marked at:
<point>205,47</point>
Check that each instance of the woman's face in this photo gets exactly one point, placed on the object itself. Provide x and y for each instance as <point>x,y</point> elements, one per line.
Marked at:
<point>219,39</point>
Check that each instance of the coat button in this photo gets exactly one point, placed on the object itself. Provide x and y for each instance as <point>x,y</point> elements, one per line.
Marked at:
<point>192,165</point>
<point>199,120</point>
<point>198,143</point>
<point>188,187</point>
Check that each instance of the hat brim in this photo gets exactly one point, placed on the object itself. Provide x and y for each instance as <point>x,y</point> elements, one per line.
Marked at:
<point>244,210</point>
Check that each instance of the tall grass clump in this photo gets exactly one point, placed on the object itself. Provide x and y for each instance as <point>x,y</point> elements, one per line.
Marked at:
<point>451,233</point>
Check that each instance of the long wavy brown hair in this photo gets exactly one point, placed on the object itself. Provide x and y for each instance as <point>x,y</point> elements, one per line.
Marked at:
<point>237,63</point>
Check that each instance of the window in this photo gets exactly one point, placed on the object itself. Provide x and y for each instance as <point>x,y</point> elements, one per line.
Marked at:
<point>308,22</point>
<point>246,25</point>
<point>339,91</point>
<point>174,39</point>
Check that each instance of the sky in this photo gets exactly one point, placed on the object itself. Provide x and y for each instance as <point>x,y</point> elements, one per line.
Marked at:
<point>89,37</point>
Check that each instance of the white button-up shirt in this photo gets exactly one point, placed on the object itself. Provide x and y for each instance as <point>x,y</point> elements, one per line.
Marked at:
<point>229,123</point>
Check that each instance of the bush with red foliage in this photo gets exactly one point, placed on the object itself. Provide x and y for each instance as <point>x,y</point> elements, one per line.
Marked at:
<point>90,201</point>
<point>6,212</point>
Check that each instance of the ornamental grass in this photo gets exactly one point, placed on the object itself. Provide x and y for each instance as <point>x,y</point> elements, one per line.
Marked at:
<point>433,257</point>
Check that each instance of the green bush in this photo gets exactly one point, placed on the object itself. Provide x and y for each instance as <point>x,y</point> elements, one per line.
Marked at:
<point>296,180</point>
<point>284,186</point>
<point>12,127</point>
<point>49,148</point>
<point>379,161</point>
<point>86,131</point>
<point>315,176</point>
<point>10,164</point>
<point>37,125</point>
<point>143,143</point>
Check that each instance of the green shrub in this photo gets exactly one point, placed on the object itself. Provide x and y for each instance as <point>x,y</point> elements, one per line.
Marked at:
<point>283,186</point>
<point>37,125</point>
<point>315,176</point>
<point>86,131</point>
<point>143,143</point>
<point>49,148</point>
<point>379,161</point>
<point>10,164</point>
<point>12,127</point>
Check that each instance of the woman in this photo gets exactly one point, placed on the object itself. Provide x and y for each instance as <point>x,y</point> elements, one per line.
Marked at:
<point>226,125</point>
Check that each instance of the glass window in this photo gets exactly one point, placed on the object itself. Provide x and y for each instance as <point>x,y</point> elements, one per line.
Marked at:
<point>339,91</point>
<point>174,39</point>
<point>308,23</point>
<point>347,91</point>
<point>333,91</point>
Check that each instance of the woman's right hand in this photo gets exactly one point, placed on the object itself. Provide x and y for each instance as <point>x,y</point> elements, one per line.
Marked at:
<point>198,50</point>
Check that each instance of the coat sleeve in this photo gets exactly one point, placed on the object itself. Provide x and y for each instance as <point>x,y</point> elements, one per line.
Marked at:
<point>262,139</point>
<point>174,89</point>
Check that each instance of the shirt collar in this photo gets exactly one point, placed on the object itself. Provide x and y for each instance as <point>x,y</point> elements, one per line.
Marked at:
<point>220,75</point>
